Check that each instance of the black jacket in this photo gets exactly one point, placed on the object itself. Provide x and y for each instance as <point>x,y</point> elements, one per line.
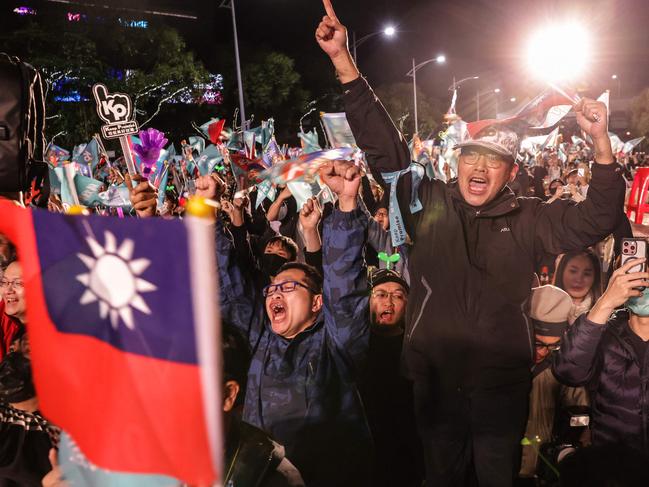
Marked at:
<point>603,359</point>
<point>471,269</point>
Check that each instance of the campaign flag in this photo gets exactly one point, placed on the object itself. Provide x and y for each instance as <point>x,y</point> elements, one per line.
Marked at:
<point>577,140</point>
<point>115,196</point>
<point>272,154</point>
<point>56,155</point>
<point>265,189</point>
<point>88,190</point>
<point>249,138</point>
<point>630,145</point>
<point>302,191</point>
<point>305,167</point>
<point>197,144</point>
<point>337,129</point>
<point>209,158</point>
<point>309,141</point>
<point>65,175</point>
<point>542,112</point>
<point>132,304</point>
<point>616,143</point>
<point>88,158</point>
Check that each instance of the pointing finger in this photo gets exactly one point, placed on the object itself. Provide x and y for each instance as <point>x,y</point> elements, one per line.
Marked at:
<point>329,8</point>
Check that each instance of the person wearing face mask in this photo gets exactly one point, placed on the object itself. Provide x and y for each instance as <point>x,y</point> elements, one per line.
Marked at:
<point>606,351</point>
<point>309,340</point>
<point>474,253</point>
<point>549,309</point>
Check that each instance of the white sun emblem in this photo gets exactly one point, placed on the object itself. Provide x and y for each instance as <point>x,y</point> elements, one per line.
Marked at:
<point>113,280</point>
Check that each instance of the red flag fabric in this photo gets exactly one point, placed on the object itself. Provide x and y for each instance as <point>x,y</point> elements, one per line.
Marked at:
<point>214,130</point>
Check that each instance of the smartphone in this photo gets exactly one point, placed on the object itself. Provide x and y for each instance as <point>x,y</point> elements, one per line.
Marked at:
<point>632,249</point>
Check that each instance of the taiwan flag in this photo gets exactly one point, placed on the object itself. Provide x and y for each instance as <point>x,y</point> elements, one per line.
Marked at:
<point>124,332</point>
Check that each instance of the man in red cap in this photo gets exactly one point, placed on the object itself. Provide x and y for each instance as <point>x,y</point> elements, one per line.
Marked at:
<point>468,347</point>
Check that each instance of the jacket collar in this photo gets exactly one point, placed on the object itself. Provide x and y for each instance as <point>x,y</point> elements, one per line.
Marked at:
<point>505,202</point>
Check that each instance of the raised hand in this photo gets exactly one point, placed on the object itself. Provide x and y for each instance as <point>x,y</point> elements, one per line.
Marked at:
<point>144,197</point>
<point>310,214</point>
<point>621,287</point>
<point>331,36</point>
<point>344,179</point>
<point>208,186</point>
<point>592,117</point>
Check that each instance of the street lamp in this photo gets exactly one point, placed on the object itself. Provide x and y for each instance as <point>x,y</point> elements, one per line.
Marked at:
<point>513,99</point>
<point>388,31</point>
<point>441,59</point>
<point>617,78</point>
<point>477,100</point>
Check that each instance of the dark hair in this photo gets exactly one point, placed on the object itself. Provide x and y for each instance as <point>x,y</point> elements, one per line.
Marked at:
<point>560,181</point>
<point>236,358</point>
<point>311,274</point>
<point>287,244</point>
<point>596,288</point>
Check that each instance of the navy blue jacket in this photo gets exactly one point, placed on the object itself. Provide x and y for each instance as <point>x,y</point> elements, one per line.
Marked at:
<point>303,391</point>
<point>602,359</point>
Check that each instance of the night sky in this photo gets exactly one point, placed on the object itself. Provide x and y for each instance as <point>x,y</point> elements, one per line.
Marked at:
<point>480,37</point>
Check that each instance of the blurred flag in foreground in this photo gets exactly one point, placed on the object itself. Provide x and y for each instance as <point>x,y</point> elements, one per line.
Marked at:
<point>304,167</point>
<point>131,306</point>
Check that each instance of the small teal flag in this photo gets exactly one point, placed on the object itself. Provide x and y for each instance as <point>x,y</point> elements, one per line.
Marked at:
<point>209,158</point>
<point>88,190</point>
<point>88,158</point>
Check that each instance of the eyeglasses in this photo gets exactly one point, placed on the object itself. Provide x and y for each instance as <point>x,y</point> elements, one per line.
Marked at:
<point>16,283</point>
<point>550,347</point>
<point>285,287</point>
<point>470,157</point>
<point>397,296</point>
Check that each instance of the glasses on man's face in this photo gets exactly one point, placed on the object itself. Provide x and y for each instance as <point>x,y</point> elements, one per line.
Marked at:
<point>471,157</point>
<point>285,287</point>
<point>550,347</point>
<point>17,284</point>
<point>397,296</point>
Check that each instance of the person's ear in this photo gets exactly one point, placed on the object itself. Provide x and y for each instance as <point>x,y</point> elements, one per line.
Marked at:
<point>316,303</point>
<point>513,172</point>
<point>230,393</point>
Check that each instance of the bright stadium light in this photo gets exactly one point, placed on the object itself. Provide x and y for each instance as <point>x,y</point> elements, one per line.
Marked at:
<point>389,31</point>
<point>441,59</point>
<point>559,52</point>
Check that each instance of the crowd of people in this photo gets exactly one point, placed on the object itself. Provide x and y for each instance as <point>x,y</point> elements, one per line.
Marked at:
<point>503,343</point>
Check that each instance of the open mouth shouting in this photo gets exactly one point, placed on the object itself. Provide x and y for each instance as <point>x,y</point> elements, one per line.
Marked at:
<point>478,185</point>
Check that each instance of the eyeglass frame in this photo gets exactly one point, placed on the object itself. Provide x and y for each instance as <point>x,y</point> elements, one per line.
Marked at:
<point>391,294</point>
<point>265,291</point>
<point>491,158</point>
<point>550,347</point>
<point>5,283</point>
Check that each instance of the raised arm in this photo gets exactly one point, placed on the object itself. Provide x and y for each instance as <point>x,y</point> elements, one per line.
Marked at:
<point>345,277</point>
<point>375,133</point>
<point>576,362</point>
<point>563,226</point>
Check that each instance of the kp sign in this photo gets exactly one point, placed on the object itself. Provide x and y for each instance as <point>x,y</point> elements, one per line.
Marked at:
<point>116,110</point>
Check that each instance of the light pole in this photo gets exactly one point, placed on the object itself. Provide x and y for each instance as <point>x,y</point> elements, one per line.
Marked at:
<point>456,84</point>
<point>477,101</point>
<point>389,31</point>
<point>617,78</point>
<point>441,59</point>
<point>230,4</point>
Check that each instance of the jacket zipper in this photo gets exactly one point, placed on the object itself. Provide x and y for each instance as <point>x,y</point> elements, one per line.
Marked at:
<point>421,310</point>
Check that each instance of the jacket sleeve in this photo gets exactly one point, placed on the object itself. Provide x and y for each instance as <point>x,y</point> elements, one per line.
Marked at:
<point>239,299</point>
<point>385,148</point>
<point>345,285</point>
<point>378,238</point>
<point>575,364</point>
<point>563,226</point>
